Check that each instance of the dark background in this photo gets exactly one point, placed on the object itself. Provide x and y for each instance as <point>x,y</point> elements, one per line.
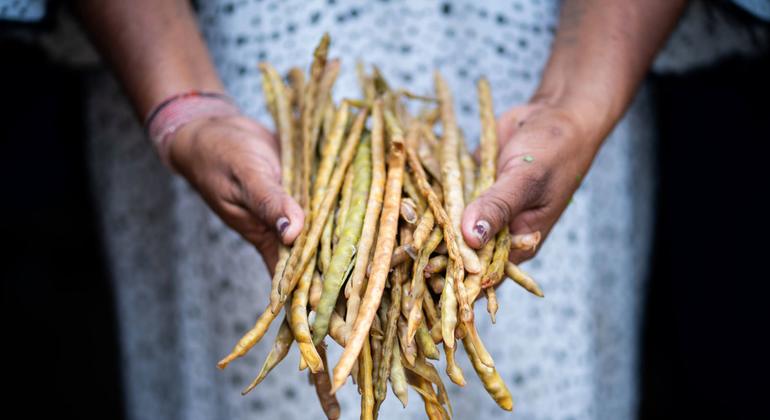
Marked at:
<point>705,331</point>
<point>58,323</point>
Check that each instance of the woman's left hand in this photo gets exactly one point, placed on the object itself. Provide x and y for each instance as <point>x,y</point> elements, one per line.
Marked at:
<point>545,151</point>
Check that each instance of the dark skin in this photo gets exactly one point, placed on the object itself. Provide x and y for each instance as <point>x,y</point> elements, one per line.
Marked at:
<point>601,53</point>
<point>156,50</point>
<point>238,174</point>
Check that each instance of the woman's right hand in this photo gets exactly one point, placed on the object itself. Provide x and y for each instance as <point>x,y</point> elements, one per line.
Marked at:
<point>233,162</point>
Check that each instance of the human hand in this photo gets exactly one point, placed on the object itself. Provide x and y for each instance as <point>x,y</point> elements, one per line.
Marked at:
<point>233,162</point>
<point>544,152</point>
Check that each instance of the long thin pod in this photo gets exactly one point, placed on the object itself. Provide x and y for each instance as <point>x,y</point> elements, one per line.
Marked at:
<point>346,247</point>
<point>322,382</point>
<point>386,240</point>
<point>373,208</point>
<point>300,257</point>
<point>299,322</point>
<point>454,202</point>
<point>278,352</point>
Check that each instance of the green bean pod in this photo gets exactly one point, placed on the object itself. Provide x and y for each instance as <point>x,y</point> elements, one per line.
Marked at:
<point>346,247</point>
<point>280,349</point>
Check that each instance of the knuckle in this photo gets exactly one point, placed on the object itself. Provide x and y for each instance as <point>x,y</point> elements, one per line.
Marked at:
<point>265,206</point>
<point>507,166</point>
<point>564,125</point>
<point>260,242</point>
<point>259,236</point>
<point>525,185</point>
<point>497,209</point>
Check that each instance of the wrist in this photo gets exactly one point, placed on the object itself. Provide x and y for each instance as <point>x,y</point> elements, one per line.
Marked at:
<point>177,111</point>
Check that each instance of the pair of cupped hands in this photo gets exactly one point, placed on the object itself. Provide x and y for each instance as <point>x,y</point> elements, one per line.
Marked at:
<point>234,163</point>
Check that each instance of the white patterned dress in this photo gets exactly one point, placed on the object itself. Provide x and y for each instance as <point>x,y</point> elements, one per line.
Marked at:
<point>187,287</point>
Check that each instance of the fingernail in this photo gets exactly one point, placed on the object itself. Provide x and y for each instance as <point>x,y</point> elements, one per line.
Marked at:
<point>481,230</point>
<point>282,224</point>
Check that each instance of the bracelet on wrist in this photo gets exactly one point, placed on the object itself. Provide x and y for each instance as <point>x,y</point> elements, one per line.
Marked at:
<point>176,111</point>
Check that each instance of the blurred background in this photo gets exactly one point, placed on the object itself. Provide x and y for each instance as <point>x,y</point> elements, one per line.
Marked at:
<point>704,339</point>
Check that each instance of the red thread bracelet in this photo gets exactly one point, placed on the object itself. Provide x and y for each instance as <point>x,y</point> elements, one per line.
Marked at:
<point>180,109</point>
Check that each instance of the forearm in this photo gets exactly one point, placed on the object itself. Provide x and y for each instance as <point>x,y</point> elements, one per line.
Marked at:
<point>602,51</point>
<point>154,47</point>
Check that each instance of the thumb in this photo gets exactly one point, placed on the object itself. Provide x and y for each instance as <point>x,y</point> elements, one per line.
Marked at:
<point>511,194</point>
<point>269,202</point>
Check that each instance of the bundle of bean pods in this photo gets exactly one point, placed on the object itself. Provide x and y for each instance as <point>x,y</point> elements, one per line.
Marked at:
<point>380,266</point>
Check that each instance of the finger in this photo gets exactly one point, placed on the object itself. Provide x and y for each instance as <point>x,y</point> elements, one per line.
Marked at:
<point>518,256</point>
<point>484,217</point>
<point>262,237</point>
<point>269,254</point>
<point>267,200</point>
<point>516,189</point>
<point>539,220</point>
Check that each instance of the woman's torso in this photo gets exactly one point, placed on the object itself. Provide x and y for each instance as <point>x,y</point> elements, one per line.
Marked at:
<point>188,287</point>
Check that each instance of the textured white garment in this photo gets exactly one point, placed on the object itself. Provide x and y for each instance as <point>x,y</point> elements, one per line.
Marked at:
<point>187,287</point>
<point>22,11</point>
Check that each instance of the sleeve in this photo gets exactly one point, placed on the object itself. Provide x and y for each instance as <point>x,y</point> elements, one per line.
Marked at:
<point>758,8</point>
